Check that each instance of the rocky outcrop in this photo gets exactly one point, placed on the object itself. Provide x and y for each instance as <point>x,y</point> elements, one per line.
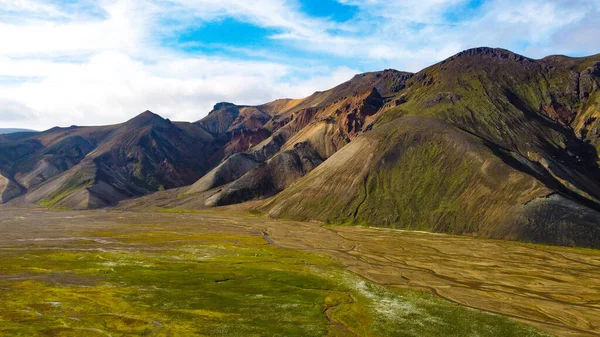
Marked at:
<point>499,53</point>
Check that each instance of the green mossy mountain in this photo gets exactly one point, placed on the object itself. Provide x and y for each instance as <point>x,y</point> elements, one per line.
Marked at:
<point>487,143</point>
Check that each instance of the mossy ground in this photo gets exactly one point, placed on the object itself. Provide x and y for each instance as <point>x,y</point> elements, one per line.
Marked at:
<point>161,283</point>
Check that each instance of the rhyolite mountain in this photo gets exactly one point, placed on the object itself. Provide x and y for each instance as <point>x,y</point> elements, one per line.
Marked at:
<point>486,143</point>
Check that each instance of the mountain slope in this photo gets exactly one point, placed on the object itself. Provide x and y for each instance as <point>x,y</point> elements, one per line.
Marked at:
<point>508,100</point>
<point>423,174</point>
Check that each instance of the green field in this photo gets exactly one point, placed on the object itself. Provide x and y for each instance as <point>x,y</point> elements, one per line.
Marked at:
<point>162,283</point>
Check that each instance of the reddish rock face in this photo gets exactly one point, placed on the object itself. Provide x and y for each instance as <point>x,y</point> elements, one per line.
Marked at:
<point>244,139</point>
<point>360,110</point>
<point>561,114</point>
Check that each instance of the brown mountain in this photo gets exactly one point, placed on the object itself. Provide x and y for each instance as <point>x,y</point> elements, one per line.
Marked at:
<point>89,167</point>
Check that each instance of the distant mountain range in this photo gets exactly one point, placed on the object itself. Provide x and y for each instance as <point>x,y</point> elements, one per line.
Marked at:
<point>7,131</point>
<point>486,143</point>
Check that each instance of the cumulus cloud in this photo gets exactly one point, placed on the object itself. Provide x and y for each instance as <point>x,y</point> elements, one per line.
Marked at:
<point>102,61</point>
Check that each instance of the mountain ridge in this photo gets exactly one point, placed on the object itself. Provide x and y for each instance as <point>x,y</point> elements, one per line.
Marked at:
<point>5,131</point>
<point>487,142</point>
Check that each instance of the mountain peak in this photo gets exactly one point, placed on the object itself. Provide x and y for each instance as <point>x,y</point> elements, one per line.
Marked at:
<point>222,105</point>
<point>147,113</point>
<point>490,53</point>
<point>146,117</point>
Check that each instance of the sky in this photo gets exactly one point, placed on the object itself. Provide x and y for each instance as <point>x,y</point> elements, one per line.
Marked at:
<point>92,62</point>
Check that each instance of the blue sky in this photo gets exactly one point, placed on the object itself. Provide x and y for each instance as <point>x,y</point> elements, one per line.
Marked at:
<point>86,62</point>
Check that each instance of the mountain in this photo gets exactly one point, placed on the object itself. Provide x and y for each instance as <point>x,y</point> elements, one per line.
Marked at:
<point>487,143</point>
<point>90,167</point>
<point>304,133</point>
<point>8,131</point>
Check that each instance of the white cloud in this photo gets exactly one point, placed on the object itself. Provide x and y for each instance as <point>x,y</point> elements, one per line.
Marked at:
<point>102,61</point>
<point>124,29</point>
<point>112,86</point>
<point>120,70</point>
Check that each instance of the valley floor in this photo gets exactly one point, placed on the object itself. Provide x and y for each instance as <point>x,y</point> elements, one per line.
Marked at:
<point>108,273</point>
